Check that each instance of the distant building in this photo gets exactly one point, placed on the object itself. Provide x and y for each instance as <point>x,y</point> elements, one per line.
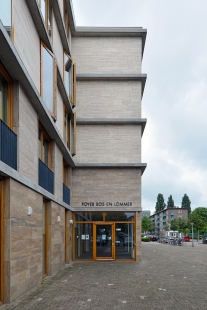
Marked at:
<point>163,218</point>
<point>146,213</point>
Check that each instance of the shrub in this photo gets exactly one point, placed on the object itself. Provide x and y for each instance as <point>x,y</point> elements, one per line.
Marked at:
<point>146,239</point>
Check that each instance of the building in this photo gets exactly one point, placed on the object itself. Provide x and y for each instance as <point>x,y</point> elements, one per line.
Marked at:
<point>70,142</point>
<point>146,213</point>
<point>163,218</point>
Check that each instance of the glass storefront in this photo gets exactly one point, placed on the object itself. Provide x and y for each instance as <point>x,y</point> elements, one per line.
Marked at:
<point>104,235</point>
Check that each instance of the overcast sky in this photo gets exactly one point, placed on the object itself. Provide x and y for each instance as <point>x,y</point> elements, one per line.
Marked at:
<point>174,144</point>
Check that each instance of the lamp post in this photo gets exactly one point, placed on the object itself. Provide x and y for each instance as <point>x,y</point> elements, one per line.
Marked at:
<point>192,235</point>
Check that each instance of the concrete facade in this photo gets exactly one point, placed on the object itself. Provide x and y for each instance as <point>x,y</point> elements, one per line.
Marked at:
<point>162,219</point>
<point>42,184</point>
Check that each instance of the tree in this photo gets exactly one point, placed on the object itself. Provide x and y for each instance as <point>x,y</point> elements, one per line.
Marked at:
<point>147,224</point>
<point>170,202</point>
<point>186,203</point>
<point>174,224</point>
<point>160,204</point>
<point>199,218</point>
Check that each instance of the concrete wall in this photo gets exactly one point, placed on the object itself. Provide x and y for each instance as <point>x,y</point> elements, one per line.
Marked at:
<point>57,45</point>
<point>23,239</point>
<point>104,99</point>
<point>26,40</point>
<point>27,138</point>
<point>57,238</point>
<point>59,122</point>
<point>106,185</point>
<point>107,54</point>
<point>57,161</point>
<point>108,144</point>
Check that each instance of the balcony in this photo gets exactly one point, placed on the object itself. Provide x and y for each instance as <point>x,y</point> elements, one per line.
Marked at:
<point>66,194</point>
<point>46,177</point>
<point>8,146</point>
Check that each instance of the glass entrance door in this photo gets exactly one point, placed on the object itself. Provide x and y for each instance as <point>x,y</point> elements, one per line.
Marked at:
<point>104,241</point>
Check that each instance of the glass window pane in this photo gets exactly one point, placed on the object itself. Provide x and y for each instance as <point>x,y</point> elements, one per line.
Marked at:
<point>124,241</point>
<point>5,12</point>
<point>68,75</point>
<point>120,217</point>
<point>48,79</point>
<point>43,4</point>
<point>83,240</point>
<point>46,150</point>
<point>4,103</point>
<point>88,217</point>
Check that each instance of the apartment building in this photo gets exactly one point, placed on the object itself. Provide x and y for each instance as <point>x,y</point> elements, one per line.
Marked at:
<point>146,213</point>
<point>162,219</point>
<point>70,142</point>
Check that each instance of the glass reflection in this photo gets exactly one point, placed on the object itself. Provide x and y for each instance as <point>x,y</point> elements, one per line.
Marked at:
<point>48,80</point>
<point>4,99</point>
<point>83,240</point>
<point>5,12</point>
<point>120,216</point>
<point>124,241</point>
<point>68,75</point>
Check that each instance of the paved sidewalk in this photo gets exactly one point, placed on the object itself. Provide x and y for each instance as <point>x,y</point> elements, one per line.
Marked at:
<point>169,277</point>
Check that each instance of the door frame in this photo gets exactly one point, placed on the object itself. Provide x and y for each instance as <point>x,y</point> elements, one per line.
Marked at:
<point>112,224</point>
<point>1,241</point>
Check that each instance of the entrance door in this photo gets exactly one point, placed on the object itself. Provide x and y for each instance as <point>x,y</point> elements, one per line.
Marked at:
<point>1,242</point>
<point>104,241</point>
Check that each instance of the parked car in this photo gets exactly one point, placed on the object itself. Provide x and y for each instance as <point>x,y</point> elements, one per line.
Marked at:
<point>186,238</point>
<point>204,241</point>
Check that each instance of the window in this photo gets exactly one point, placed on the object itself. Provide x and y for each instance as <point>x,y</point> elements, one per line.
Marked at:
<point>48,89</point>
<point>6,15</point>
<point>47,13</point>
<point>70,78</point>
<point>65,174</point>
<point>69,131</point>
<point>66,19</point>
<point>45,153</point>
<point>5,97</point>
<point>179,211</point>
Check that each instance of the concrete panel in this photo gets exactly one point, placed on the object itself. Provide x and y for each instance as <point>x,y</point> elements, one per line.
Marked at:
<point>108,144</point>
<point>107,54</point>
<point>25,240</point>
<point>27,41</point>
<point>58,48</point>
<point>59,122</point>
<point>28,138</point>
<point>57,161</point>
<point>57,252</point>
<point>109,99</point>
<point>100,186</point>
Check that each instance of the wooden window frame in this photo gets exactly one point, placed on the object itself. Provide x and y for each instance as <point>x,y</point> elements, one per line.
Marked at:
<point>43,134</point>
<point>65,166</point>
<point>10,104</point>
<point>54,112</point>
<point>74,135</point>
<point>66,129</point>
<point>71,99</point>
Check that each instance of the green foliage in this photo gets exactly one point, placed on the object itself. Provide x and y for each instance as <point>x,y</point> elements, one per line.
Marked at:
<point>174,224</point>
<point>146,239</point>
<point>160,204</point>
<point>170,202</point>
<point>179,224</point>
<point>147,224</point>
<point>186,203</point>
<point>199,218</point>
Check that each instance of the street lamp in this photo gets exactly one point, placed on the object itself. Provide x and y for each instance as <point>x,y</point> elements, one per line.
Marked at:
<point>192,234</point>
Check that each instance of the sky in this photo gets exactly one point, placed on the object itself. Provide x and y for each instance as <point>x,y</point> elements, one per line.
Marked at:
<point>174,143</point>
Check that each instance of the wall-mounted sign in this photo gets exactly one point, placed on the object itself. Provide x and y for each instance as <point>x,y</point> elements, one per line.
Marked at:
<point>87,237</point>
<point>83,237</point>
<point>106,204</point>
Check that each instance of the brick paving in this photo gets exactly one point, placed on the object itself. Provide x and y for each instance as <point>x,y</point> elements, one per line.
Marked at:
<point>169,277</point>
